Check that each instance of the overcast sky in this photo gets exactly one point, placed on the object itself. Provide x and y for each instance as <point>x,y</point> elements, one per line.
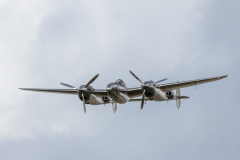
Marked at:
<point>43,43</point>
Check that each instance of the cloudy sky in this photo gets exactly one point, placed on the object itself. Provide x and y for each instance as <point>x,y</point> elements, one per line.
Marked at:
<point>43,43</point>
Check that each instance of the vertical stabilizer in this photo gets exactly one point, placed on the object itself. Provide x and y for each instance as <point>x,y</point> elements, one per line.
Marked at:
<point>178,100</point>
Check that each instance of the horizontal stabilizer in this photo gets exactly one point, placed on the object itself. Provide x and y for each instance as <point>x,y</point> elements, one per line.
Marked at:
<point>183,97</point>
<point>137,99</point>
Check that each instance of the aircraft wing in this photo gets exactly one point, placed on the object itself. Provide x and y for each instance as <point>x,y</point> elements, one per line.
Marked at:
<point>134,92</point>
<point>98,92</point>
<point>183,84</point>
<point>62,91</point>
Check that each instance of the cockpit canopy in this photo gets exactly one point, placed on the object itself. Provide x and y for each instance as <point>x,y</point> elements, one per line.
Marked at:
<point>121,82</point>
<point>150,83</point>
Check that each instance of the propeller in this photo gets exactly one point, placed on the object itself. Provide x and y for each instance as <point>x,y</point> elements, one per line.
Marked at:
<point>161,80</point>
<point>143,100</point>
<point>143,96</point>
<point>68,86</point>
<point>84,106</point>
<point>91,81</point>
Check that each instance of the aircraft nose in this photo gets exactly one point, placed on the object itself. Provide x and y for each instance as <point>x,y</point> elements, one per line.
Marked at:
<point>111,90</point>
<point>110,87</point>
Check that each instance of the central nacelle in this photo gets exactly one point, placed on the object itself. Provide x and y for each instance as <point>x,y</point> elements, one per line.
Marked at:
<point>117,91</point>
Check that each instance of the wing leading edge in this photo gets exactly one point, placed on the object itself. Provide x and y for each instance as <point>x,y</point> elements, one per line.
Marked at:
<point>183,84</point>
<point>136,92</point>
<point>62,91</point>
<point>99,92</point>
<point>133,92</point>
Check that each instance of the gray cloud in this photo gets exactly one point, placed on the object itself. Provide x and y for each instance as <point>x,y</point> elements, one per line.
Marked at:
<point>43,43</point>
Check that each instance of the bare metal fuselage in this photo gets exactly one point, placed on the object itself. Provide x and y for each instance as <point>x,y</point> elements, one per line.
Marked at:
<point>118,93</point>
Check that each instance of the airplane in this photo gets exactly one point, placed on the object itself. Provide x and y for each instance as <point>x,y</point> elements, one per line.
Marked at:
<point>118,92</point>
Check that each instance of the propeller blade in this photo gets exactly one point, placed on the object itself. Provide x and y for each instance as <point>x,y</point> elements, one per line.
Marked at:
<point>84,106</point>
<point>114,106</point>
<point>143,98</point>
<point>67,85</point>
<point>93,79</point>
<point>135,76</point>
<point>161,80</point>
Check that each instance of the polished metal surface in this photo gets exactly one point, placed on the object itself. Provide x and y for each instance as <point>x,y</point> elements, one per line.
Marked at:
<point>183,84</point>
<point>118,92</point>
<point>150,90</point>
<point>61,91</point>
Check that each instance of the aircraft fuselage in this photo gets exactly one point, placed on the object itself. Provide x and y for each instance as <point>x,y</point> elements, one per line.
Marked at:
<point>88,97</point>
<point>152,92</point>
<point>117,91</point>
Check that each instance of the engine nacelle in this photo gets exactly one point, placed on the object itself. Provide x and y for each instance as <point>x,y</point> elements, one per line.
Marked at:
<point>169,94</point>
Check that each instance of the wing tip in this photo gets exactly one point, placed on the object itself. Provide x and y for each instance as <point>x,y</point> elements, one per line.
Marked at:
<point>221,77</point>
